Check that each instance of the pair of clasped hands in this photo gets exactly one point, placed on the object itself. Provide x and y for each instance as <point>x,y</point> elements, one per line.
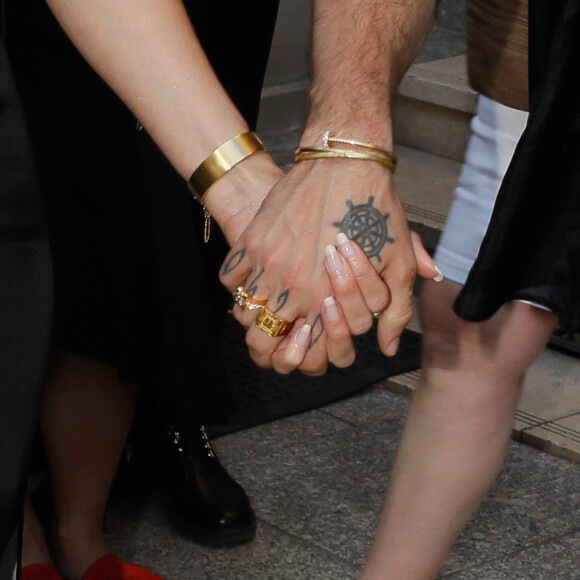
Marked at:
<point>291,248</point>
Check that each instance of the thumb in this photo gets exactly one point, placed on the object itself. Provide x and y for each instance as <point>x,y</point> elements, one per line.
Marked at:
<point>426,267</point>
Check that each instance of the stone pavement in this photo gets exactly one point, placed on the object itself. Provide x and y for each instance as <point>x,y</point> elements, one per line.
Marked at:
<point>317,482</point>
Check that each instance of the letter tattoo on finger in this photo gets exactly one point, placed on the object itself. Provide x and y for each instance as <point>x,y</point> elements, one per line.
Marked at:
<point>233,262</point>
<point>367,226</point>
<point>282,299</point>
<point>317,331</point>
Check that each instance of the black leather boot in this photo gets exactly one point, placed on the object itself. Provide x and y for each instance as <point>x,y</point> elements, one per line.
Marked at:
<point>204,501</point>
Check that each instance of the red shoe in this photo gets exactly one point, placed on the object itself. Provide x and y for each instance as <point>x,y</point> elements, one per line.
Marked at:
<point>40,571</point>
<point>111,567</point>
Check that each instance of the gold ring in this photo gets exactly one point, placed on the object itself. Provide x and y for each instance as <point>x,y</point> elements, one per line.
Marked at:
<point>245,300</point>
<point>272,324</point>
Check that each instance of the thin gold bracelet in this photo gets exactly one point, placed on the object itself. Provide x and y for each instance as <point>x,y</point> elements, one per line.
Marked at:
<point>217,164</point>
<point>372,152</point>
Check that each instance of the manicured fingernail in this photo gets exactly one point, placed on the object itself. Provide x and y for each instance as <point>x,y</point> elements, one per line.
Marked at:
<point>439,276</point>
<point>331,309</point>
<point>345,244</point>
<point>334,259</point>
<point>393,348</point>
<point>303,336</point>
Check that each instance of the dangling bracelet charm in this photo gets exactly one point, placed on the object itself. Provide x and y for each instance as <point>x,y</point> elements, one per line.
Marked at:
<point>217,164</point>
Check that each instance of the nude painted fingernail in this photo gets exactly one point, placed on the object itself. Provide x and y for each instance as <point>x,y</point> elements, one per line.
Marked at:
<point>439,276</point>
<point>393,348</point>
<point>333,258</point>
<point>345,245</point>
<point>331,309</point>
<point>303,336</point>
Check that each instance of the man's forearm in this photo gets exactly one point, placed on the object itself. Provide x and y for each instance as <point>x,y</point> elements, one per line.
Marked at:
<point>361,50</point>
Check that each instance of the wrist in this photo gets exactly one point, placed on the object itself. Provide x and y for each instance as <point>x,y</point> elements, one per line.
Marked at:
<point>354,127</point>
<point>234,200</point>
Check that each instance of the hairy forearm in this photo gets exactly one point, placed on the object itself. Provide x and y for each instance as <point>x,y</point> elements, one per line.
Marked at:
<point>361,50</point>
<point>147,51</point>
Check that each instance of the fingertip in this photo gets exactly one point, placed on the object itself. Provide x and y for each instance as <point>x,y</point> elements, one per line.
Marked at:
<point>331,309</point>
<point>426,267</point>
<point>303,335</point>
<point>393,347</point>
<point>333,260</point>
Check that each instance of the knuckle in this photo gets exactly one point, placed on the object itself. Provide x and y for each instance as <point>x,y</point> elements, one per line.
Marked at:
<point>366,275</point>
<point>338,333</point>
<point>244,317</point>
<point>313,371</point>
<point>271,261</point>
<point>254,343</point>
<point>282,369</point>
<point>345,361</point>
<point>346,287</point>
<point>291,359</point>
<point>362,324</point>
<point>253,243</point>
<point>379,301</point>
<point>400,319</point>
<point>314,365</point>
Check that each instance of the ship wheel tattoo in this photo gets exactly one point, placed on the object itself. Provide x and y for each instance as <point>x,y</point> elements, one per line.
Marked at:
<point>367,226</point>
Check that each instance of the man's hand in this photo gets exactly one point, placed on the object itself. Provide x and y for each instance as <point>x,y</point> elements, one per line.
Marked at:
<point>281,256</point>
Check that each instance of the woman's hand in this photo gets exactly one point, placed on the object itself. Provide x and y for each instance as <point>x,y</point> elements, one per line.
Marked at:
<point>359,282</point>
<point>280,257</point>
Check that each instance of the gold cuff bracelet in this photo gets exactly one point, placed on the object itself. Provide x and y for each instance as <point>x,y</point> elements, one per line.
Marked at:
<point>218,163</point>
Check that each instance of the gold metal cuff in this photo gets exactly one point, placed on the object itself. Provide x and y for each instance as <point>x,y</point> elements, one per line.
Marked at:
<point>224,158</point>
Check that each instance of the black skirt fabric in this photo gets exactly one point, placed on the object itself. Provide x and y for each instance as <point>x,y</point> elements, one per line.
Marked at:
<point>134,287</point>
<point>531,249</point>
<point>25,313</point>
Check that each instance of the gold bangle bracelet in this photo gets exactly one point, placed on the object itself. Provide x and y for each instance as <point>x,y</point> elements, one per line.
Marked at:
<point>224,158</point>
<point>305,153</point>
<point>372,152</point>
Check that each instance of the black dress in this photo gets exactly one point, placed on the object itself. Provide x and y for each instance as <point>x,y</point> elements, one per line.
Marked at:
<point>532,246</point>
<point>25,312</point>
<point>133,286</point>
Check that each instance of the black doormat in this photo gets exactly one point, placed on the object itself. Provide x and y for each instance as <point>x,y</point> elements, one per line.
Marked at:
<point>263,395</point>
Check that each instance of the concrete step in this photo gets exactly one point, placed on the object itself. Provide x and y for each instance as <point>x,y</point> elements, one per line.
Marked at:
<point>424,183</point>
<point>548,416</point>
<point>434,107</point>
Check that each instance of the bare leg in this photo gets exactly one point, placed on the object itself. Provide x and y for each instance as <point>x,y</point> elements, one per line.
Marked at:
<point>85,420</point>
<point>456,436</point>
<point>34,548</point>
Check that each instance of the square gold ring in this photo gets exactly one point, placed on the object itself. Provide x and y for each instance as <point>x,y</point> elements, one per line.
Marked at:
<point>272,324</point>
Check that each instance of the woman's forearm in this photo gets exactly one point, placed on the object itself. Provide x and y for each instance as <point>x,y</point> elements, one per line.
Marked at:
<point>147,51</point>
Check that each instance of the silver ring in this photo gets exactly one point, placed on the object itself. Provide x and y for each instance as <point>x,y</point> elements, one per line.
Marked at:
<point>377,315</point>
